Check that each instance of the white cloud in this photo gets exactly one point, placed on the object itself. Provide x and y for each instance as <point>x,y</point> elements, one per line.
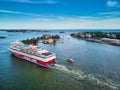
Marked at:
<point>28,14</point>
<point>19,13</point>
<point>61,22</point>
<point>66,23</point>
<point>113,4</point>
<point>113,13</point>
<point>33,1</point>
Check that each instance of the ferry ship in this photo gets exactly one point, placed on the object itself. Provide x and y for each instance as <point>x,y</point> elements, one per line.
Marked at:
<point>32,53</point>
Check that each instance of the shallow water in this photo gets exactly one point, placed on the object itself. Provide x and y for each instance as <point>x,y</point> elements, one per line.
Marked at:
<point>96,67</point>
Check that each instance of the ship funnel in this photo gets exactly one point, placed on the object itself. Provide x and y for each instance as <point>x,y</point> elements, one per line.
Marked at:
<point>34,43</point>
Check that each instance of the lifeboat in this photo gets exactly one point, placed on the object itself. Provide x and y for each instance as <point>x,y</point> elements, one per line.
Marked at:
<point>70,60</point>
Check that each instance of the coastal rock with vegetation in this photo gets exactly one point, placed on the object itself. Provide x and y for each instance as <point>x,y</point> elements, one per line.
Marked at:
<point>46,39</point>
<point>2,37</point>
<point>112,38</point>
<point>62,32</point>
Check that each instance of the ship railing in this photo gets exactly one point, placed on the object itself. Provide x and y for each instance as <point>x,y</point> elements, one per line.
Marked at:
<point>43,55</point>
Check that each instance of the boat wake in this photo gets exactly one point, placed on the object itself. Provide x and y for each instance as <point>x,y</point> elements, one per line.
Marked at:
<point>80,75</point>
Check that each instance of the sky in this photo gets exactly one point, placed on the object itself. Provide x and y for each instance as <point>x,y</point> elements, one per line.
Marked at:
<point>59,14</point>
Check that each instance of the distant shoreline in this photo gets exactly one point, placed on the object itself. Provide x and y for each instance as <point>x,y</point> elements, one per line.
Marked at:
<point>60,29</point>
<point>23,30</point>
<point>112,38</point>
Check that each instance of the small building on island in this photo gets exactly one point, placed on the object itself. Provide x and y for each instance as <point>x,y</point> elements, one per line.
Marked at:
<point>110,40</point>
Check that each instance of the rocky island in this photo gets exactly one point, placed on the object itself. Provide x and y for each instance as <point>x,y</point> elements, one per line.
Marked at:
<point>112,38</point>
<point>62,32</point>
<point>2,37</point>
<point>46,39</point>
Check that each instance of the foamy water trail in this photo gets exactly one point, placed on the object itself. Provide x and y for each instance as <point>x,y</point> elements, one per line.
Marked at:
<point>80,75</point>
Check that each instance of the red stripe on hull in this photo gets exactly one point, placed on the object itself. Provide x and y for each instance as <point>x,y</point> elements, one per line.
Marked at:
<point>45,64</point>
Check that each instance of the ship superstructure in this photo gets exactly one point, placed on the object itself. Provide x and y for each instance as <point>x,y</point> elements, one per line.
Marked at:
<point>33,54</point>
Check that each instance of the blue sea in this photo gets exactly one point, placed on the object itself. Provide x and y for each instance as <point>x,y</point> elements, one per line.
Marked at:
<point>96,66</point>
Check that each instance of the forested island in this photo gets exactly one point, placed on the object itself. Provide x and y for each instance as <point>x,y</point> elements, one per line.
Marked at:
<point>99,37</point>
<point>46,39</point>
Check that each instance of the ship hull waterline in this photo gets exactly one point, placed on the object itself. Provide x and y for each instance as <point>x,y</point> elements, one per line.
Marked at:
<point>35,61</point>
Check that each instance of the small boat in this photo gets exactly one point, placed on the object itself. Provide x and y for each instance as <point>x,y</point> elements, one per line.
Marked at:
<point>70,60</point>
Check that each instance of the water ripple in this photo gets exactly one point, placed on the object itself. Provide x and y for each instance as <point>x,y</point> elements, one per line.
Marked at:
<point>80,75</point>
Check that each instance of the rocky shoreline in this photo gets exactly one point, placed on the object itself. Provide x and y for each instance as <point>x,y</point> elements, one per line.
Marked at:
<point>99,37</point>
